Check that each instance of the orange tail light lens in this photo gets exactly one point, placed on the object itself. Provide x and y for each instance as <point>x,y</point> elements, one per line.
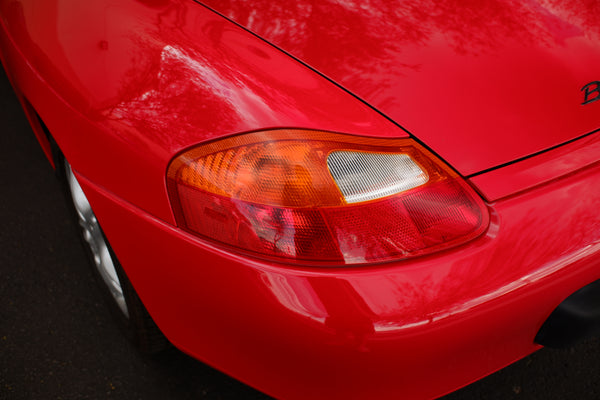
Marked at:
<point>323,197</point>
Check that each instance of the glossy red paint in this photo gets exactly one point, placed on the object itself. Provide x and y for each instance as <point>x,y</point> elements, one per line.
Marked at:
<point>142,81</point>
<point>401,330</point>
<point>515,178</point>
<point>481,83</point>
<point>126,85</point>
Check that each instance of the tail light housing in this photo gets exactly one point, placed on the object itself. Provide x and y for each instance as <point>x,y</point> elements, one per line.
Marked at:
<point>320,197</point>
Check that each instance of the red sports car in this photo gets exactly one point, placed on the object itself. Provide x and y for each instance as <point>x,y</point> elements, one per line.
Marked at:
<point>328,199</point>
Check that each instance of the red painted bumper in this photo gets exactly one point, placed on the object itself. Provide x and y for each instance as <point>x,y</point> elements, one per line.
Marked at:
<point>415,329</point>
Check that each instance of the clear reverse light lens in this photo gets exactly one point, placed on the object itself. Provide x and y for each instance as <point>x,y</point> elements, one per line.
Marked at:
<point>363,176</point>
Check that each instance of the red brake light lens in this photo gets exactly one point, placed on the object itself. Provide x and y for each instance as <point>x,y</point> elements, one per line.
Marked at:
<point>323,197</point>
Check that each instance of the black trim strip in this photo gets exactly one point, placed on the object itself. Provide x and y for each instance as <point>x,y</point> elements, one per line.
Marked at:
<point>533,154</point>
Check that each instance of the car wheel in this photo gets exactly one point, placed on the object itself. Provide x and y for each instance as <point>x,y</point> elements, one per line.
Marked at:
<point>119,292</point>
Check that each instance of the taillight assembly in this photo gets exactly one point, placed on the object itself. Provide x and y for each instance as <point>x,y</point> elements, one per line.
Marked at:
<point>322,197</point>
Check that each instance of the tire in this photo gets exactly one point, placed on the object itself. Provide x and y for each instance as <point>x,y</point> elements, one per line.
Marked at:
<point>123,301</point>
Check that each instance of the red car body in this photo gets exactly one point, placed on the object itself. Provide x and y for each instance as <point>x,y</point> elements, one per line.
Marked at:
<point>496,89</point>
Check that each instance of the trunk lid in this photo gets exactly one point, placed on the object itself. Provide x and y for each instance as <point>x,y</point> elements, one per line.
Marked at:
<point>481,83</point>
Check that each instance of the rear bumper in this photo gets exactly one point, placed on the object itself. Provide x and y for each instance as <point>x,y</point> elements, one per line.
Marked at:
<point>416,329</point>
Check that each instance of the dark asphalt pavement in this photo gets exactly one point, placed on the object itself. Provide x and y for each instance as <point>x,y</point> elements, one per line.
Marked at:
<point>58,340</point>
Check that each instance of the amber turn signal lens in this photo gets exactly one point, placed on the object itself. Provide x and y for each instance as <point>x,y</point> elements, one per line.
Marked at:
<point>322,197</point>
